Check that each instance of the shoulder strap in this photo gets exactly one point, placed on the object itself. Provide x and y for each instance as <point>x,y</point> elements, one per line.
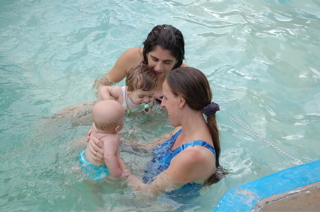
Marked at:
<point>194,143</point>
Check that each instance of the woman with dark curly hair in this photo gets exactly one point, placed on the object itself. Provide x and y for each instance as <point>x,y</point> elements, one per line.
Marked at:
<point>163,50</point>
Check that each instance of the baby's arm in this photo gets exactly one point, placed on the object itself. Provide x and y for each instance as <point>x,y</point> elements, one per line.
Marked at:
<point>108,92</point>
<point>111,156</point>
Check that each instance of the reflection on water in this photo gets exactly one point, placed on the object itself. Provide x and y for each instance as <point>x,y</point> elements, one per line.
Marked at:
<point>261,59</point>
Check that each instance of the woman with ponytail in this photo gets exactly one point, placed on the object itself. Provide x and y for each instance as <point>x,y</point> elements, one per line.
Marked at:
<point>189,159</point>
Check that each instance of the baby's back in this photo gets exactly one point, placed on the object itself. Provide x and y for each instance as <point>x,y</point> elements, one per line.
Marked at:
<point>108,138</point>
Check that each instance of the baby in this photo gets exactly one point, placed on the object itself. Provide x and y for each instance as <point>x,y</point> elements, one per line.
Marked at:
<point>108,120</point>
<point>141,83</point>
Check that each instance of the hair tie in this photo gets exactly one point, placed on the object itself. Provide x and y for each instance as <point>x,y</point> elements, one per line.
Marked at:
<point>210,109</point>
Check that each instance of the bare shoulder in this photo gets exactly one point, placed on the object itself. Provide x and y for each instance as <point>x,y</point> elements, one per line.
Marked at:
<point>192,164</point>
<point>193,155</point>
<point>134,55</point>
<point>125,62</point>
<point>184,65</point>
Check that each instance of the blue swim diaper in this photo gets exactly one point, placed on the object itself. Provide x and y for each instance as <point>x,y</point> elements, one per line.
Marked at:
<point>95,172</point>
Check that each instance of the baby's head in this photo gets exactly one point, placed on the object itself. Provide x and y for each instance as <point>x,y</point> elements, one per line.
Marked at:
<point>141,83</point>
<point>108,116</point>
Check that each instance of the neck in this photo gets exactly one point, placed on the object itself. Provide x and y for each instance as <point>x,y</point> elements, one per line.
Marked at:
<point>194,126</point>
<point>158,92</point>
<point>108,131</point>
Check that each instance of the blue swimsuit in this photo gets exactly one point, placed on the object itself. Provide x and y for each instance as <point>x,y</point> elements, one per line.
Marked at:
<point>98,173</point>
<point>161,161</point>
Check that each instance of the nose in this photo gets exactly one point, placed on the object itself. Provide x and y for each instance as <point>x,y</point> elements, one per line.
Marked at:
<point>162,105</point>
<point>158,66</point>
<point>146,100</point>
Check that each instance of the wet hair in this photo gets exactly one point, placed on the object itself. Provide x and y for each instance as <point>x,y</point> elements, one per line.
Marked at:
<point>141,77</point>
<point>193,86</point>
<point>168,38</point>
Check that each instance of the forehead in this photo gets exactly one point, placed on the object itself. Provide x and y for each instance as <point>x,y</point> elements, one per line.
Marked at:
<point>161,54</point>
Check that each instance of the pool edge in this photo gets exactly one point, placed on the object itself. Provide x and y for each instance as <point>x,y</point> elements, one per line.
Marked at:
<point>245,197</point>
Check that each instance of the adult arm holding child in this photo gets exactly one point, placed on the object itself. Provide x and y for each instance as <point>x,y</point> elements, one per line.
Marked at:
<point>190,158</point>
<point>108,120</point>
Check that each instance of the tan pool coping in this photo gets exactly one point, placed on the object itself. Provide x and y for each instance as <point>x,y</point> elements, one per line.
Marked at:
<point>306,198</point>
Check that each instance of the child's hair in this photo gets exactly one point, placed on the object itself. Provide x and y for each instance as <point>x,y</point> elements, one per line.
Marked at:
<point>141,77</point>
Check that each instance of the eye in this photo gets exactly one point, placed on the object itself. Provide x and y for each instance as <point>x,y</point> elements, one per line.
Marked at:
<point>154,58</point>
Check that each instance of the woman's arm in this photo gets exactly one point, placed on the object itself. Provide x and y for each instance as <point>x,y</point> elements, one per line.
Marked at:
<point>96,146</point>
<point>134,146</point>
<point>130,146</point>
<point>120,69</point>
<point>188,166</point>
<point>163,183</point>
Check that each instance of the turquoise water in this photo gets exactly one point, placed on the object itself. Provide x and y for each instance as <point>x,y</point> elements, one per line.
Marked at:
<point>261,58</point>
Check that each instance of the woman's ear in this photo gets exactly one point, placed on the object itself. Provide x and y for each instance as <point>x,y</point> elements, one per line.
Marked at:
<point>182,102</point>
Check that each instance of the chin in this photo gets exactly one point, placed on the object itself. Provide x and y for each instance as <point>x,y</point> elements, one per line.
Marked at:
<point>173,124</point>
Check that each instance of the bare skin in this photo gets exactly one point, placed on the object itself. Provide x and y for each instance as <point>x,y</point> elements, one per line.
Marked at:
<point>111,142</point>
<point>137,96</point>
<point>194,164</point>
<point>160,59</point>
<point>108,121</point>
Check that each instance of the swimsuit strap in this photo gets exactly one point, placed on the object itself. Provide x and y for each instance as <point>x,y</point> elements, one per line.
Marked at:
<point>194,143</point>
<point>164,148</point>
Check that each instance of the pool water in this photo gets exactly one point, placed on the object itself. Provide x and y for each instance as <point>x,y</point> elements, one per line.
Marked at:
<point>261,58</point>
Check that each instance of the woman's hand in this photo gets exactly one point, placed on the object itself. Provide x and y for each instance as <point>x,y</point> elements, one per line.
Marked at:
<point>88,135</point>
<point>96,149</point>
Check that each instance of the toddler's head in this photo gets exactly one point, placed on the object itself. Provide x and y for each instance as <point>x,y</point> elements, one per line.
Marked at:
<point>141,83</point>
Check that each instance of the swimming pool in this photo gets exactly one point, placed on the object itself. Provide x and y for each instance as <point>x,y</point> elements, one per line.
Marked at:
<point>262,60</point>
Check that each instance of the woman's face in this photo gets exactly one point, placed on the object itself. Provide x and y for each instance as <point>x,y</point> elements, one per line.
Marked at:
<point>171,103</point>
<point>161,60</point>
